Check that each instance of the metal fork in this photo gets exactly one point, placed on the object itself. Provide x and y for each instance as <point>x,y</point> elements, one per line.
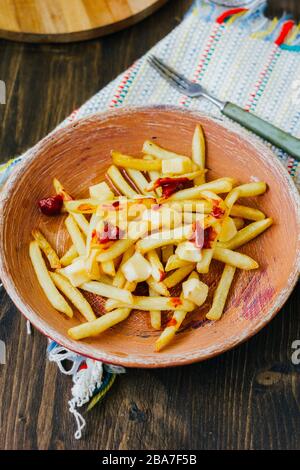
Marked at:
<point>264,129</point>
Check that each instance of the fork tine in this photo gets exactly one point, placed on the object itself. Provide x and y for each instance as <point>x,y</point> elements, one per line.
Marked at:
<point>169,74</point>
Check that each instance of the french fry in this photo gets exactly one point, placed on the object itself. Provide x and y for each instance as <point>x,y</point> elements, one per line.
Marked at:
<point>158,271</point>
<point>140,181</point>
<point>246,212</point>
<point>118,248</point>
<point>158,303</point>
<point>174,262</point>
<point>234,258</point>
<point>154,175</point>
<point>150,148</point>
<point>198,152</point>
<point>119,279</point>
<point>92,226</point>
<point>155,315</point>
<point>75,234</point>
<point>83,206</point>
<point>168,237</point>
<point>59,189</point>
<point>47,249</point>
<point>170,331</point>
<point>69,256</point>
<point>82,222</point>
<point>221,185</point>
<point>245,190</point>
<point>74,295</point>
<point>108,268</point>
<point>99,288</point>
<point>178,275</point>
<point>45,281</point>
<point>125,161</point>
<point>119,182</point>
<point>101,324</point>
<point>111,304</point>
<point>221,293</point>
<point>158,287</point>
<point>166,252</point>
<point>204,264</point>
<point>248,233</point>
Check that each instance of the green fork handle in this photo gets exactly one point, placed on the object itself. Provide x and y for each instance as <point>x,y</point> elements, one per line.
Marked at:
<point>264,129</point>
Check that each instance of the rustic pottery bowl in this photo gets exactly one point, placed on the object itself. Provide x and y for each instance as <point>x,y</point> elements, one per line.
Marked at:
<point>79,155</point>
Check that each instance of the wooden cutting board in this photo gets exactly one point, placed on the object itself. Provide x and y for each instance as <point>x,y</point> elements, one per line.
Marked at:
<point>69,20</point>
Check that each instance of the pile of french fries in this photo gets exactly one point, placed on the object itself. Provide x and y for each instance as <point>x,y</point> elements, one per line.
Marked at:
<point>156,221</point>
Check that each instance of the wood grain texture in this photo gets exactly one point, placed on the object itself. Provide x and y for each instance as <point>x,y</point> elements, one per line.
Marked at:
<point>248,398</point>
<point>59,21</point>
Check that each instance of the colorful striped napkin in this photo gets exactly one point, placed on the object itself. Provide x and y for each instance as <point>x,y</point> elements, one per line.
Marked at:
<point>238,55</point>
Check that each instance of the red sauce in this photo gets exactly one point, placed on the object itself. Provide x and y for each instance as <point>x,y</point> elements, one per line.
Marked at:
<point>170,186</point>
<point>162,275</point>
<point>203,238</point>
<point>109,233</point>
<point>51,205</point>
<point>217,211</point>
<point>176,301</point>
<point>209,237</point>
<point>172,322</point>
<point>114,206</point>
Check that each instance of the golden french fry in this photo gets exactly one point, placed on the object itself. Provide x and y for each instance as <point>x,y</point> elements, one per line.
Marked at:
<point>204,264</point>
<point>75,234</point>
<point>221,185</point>
<point>170,331</point>
<point>175,262</point>
<point>108,268</point>
<point>234,258</point>
<point>228,230</point>
<point>125,161</point>
<point>158,272</point>
<point>198,152</point>
<point>112,292</point>
<point>74,295</point>
<point>118,248</point>
<point>167,237</point>
<point>248,233</point>
<point>246,212</point>
<point>150,148</point>
<point>140,181</point>
<point>111,304</point>
<point>99,325</point>
<point>119,182</point>
<point>146,303</point>
<point>245,190</point>
<point>158,287</point>
<point>155,315</point>
<point>69,256</point>
<point>178,275</point>
<point>45,281</point>
<point>221,293</point>
<point>119,279</point>
<point>47,249</point>
<point>83,206</point>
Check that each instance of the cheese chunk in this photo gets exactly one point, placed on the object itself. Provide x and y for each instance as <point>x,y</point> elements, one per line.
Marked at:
<point>187,251</point>
<point>195,291</point>
<point>176,166</point>
<point>101,191</point>
<point>137,268</point>
<point>76,272</point>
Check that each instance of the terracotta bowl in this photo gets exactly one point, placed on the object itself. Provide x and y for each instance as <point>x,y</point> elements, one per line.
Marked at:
<point>79,155</point>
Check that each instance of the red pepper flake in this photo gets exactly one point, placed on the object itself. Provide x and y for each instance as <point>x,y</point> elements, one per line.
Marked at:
<point>172,322</point>
<point>170,186</point>
<point>51,205</point>
<point>162,275</point>
<point>109,233</point>
<point>217,211</point>
<point>176,301</point>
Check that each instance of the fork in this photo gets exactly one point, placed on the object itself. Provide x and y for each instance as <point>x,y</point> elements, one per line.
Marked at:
<point>264,129</point>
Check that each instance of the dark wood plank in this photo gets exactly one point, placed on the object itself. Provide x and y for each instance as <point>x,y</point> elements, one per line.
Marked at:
<point>246,399</point>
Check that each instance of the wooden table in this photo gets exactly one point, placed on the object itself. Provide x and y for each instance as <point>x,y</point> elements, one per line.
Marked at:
<point>248,398</point>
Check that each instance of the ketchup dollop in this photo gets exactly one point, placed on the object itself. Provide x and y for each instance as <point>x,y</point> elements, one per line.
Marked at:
<point>51,205</point>
<point>170,186</point>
